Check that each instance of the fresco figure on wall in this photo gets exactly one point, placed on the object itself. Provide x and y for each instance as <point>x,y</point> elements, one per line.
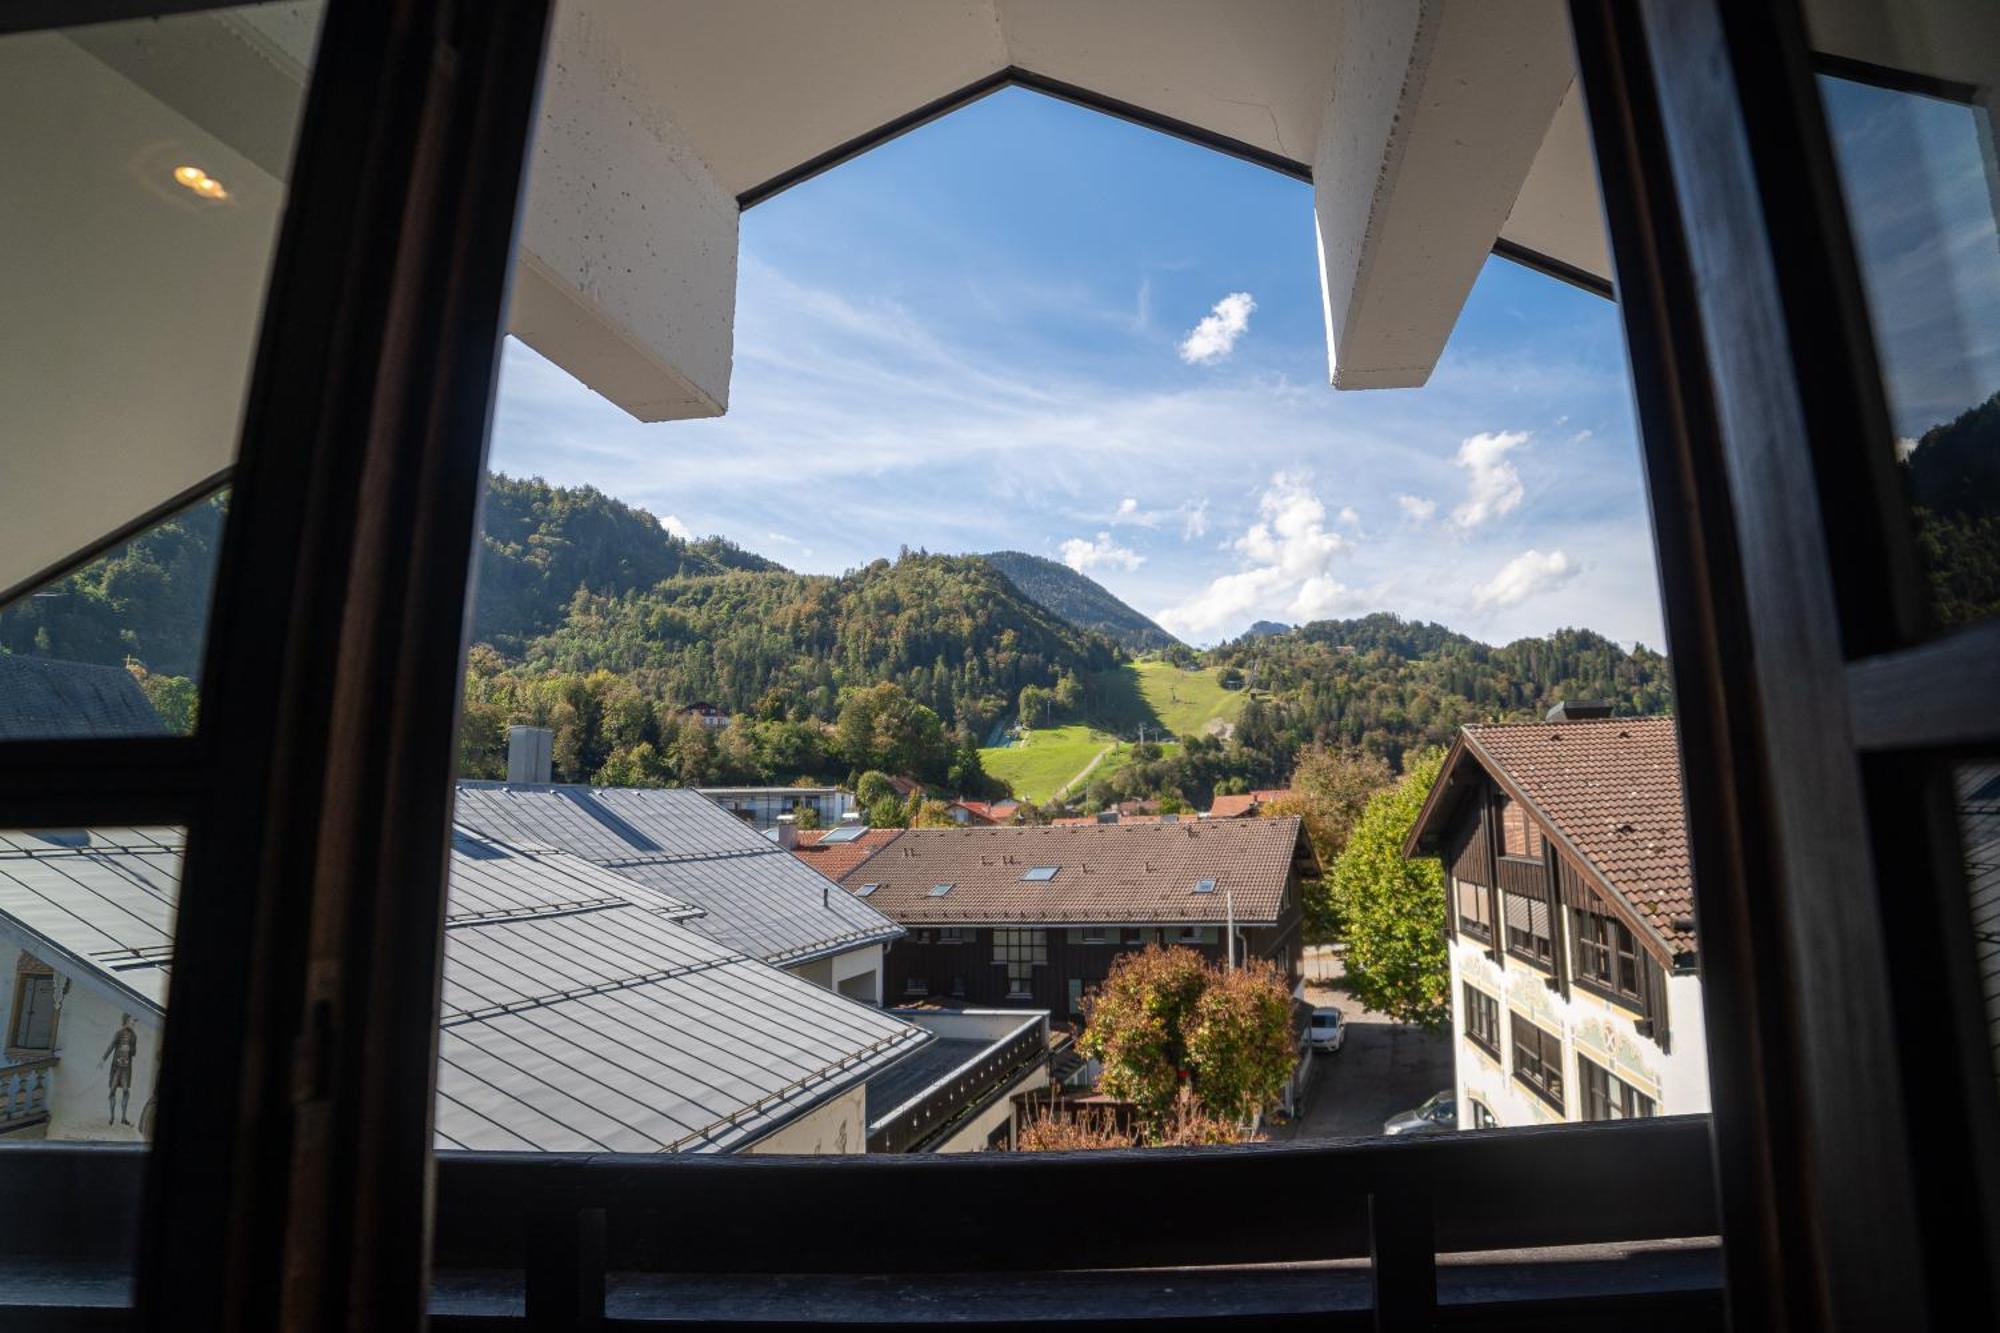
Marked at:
<point>124,1044</point>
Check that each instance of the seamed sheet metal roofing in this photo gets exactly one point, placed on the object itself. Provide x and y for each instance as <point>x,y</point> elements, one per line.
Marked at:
<point>580,1013</point>
<point>1125,873</point>
<point>754,896</point>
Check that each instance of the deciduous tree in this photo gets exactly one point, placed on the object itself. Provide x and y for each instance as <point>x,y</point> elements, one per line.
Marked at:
<point>1393,908</point>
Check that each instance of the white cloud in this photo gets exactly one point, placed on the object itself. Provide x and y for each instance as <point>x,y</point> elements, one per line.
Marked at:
<point>1194,520</point>
<point>1215,337</point>
<point>1083,556</point>
<point>1528,574</point>
<point>1493,487</point>
<point>1127,508</point>
<point>676,528</point>
<point>1905,446</point>
<point>1417,508</point>
<point>1350,516</point>
<point>1290,557</point>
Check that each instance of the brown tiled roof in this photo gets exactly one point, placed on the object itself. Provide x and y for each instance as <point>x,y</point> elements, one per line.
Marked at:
<point>834,859</point>
<point>1611,788</point>
<point>1232,807</point>
<point>1125,873</point>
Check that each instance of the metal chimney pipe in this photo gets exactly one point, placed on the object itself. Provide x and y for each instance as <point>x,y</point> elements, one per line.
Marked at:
<point>530,754</point>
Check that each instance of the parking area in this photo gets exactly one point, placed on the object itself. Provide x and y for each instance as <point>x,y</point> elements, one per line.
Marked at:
<point>1383,1068</point>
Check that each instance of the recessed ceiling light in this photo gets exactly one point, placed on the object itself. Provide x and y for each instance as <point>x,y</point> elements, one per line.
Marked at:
<point>199,181</point>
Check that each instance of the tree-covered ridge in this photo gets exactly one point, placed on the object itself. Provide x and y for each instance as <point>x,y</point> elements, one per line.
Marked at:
<point>1953,481</point>
<point>952,631</point>
<point>145,603</point>
<point>1081,601</point>
<point>539,544</point>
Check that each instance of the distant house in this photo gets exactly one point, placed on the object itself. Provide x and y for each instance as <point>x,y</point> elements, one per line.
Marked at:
<point>707,714</point>
<point>45,699</point>
<point>1574,985</point>
<point>646,1036</point>
<point>1034,916</point>
<point>835,851</point>
<point>762,807</point>
<point>1246,805</point>
<point>755,896</point>
<point>982,812</point>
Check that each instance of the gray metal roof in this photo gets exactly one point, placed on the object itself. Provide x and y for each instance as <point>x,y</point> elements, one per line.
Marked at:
<point>580,1013</point>
<point>46,699</point>
<point>754,895</point>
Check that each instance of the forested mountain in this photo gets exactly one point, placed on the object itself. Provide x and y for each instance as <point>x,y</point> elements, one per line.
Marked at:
<point>146,601</point>
<point>1082,601</point>
<point>1384,686</point>
<point>1953,480</point>
<point>541,543</point>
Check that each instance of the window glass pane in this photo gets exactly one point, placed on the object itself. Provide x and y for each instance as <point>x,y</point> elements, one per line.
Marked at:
<point>146,164</point>
<point>1917,166</point>
<point>1979,834</point>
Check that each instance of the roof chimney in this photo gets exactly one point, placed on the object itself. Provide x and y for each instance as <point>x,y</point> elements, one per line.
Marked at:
<point>529,753</point>
<point>1577,710</point>
<point>786,834</point>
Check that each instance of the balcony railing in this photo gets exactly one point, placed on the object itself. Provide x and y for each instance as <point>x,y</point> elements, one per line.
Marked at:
<point>24,1093</point>
<point>1375,1233</point>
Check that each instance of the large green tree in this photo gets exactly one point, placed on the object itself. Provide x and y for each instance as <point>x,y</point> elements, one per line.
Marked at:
<point>1392,908</point>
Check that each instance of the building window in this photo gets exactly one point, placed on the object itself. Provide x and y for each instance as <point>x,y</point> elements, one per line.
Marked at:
<point>1197,935</point>
<point>1475,909</point>
<point>1090,935</point>
<point>1076,995</point>
<point>1609,1097</point>
<point>1529,936</point>
<point>917,986</point>
<point>1482,1020</point>
<point>1538,1061</point>
<point>1607,957</point>
<point>1020,952</point>
<point>1135,938</point>
<point>1481,1118</point>
<point>1519,835</point>
<point>951,935</point>
<point>34,1026</point>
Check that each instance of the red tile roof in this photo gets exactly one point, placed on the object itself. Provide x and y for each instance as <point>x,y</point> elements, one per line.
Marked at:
<point>834,859</point>
<point>1611,789</point>
<point>1233,806</point>
<point>1124,873</point>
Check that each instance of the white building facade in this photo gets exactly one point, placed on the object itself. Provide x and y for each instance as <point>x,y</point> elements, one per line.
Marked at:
<point>1574,974</point>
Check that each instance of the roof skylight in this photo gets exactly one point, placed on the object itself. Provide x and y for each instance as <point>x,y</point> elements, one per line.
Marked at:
<point>867,889</point>
<point>1041,874</point>
<point>1204,886</point>
<point>845,833</point>
<point>940,890</point>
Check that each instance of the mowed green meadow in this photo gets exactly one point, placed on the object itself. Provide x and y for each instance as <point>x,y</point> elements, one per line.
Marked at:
<point>1167,700</point>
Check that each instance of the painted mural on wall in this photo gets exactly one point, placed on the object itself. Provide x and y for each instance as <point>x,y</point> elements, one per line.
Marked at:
<point>119,1054</point>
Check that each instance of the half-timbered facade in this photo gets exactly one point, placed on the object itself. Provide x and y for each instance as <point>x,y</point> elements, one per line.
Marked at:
<point>1575,993</point>
<point>1032,917</point>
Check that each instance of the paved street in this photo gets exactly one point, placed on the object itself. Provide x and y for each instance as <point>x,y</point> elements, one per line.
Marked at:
<point>1384,1068</point>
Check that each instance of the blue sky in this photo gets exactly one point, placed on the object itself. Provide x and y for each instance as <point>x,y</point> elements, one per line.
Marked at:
<point>978,337</point>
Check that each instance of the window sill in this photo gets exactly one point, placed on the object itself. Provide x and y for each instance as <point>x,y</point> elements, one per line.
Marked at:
<point>1553,1101</point>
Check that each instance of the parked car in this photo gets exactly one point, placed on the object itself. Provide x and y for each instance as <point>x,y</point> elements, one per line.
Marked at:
<point>1438,1115</point>
<point>1327,1032</point>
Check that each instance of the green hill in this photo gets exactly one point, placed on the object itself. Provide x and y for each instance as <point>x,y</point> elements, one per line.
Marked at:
<point>1081,601</point>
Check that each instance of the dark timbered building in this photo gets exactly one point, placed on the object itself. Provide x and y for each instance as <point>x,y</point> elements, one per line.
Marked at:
<point>1033,917</point>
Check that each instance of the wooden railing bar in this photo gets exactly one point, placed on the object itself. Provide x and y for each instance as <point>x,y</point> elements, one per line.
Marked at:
<point>1402,1255</point>
<point>564,1270</point>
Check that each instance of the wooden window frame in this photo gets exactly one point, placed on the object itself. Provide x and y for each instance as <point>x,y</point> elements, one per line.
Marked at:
<point>1601,1088</point>
<point>1536,1072</point>
<point>1623,947</point>
<point>1475,927</point>
<point>290,1179</point>
<point>1483,1035</point>
<point>26,974</point>
<point>1540,951</point>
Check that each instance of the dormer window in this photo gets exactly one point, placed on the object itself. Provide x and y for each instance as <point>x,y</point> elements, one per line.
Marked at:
<point>1519,835</point>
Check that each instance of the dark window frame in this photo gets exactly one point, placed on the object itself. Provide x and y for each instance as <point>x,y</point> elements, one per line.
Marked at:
<point>1603,1092</point>
<point>1479,926</point>
<point>1484,1033</point>
<point>1605,951</point>
<point>1537,949</point>
<point>1532,1066</point>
